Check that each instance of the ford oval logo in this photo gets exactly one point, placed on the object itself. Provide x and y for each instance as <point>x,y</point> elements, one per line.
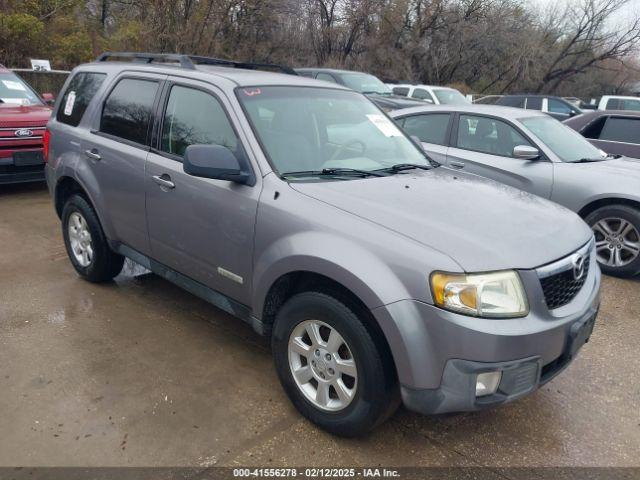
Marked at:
<point>24,132</point>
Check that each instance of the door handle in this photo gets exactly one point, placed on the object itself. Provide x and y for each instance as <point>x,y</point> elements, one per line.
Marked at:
<point>93,154</point>
<point>164,180</point>
<point>455,164</point>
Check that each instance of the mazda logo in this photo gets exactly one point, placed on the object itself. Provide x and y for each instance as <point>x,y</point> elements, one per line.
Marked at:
<point>578,267</point>
<point>23,132</point>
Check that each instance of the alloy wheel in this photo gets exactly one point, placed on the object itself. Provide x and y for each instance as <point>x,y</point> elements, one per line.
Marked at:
<point>80,239</point>
<point>617,241</point>
<point>322,365</point>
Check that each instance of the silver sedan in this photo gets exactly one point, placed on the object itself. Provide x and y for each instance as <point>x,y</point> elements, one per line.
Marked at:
<point>534,152</point>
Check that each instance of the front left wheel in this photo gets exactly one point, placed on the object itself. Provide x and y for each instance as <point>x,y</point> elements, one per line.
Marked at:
<point>330,366</point>
<point>86,243</point>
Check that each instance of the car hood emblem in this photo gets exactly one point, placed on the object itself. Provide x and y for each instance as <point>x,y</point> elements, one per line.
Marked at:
<point>24,132</point>
<point>578,266</point>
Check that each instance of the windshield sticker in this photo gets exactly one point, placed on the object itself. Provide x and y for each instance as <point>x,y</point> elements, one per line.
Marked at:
<point>16,101</point>
<point>13,85</point>
<point>385,125</point>
<point>251,92</point>
<point>71,100</point>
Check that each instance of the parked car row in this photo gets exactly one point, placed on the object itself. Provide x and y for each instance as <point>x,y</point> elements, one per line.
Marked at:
<point>380,273</point>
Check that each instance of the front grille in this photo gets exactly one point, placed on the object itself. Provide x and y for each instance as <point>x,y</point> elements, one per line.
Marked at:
<point>560,288</point>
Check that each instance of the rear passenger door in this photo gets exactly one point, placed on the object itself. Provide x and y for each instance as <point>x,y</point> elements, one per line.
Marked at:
<point>433,131</point>
<point>116,152</point>
<point>200,227</point>
<point>484,145</point>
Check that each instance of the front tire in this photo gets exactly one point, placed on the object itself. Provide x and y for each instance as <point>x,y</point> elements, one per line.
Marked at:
<point>330,366</point>
<point>617,233</point>
<point>86,243</point>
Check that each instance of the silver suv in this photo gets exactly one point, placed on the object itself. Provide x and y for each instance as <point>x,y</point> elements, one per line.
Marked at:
<point>299,207</point>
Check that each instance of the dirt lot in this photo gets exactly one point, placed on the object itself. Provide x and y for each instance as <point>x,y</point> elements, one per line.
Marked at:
<point>138,372</point>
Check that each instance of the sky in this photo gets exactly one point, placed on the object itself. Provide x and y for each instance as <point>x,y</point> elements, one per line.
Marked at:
<point>629,11</point>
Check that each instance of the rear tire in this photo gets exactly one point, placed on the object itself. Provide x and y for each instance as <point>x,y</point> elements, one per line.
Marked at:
<point>617,233</point>
<point>86,243</point>
<point>361,392</point>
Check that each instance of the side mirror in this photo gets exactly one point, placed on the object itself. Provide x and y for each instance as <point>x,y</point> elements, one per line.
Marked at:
<point>48,98</point>
<point>214,161</point>
<point>525,152</point>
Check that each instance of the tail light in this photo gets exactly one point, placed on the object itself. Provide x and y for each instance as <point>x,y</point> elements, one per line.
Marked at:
<point>46,140</point>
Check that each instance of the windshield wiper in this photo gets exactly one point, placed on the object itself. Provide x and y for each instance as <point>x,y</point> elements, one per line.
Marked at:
<point>399,167</point>
<point>590,160</point>
<point>333,172</point>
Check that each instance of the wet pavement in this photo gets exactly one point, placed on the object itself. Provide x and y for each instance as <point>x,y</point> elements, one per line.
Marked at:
<point>139,372</point>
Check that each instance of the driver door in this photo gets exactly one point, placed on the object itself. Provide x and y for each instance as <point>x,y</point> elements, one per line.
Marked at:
<point>200,227</point>
<point>484,145</point>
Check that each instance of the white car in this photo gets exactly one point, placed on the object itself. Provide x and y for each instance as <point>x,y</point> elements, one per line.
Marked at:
<point>617,102</point>
<point>430,94</point>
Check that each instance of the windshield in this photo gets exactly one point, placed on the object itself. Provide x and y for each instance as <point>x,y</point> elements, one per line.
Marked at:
<point>13,90</point>
<point>566,143</point>
<point>450,97</point>
<point>311,129</point>
<point>365,83</point>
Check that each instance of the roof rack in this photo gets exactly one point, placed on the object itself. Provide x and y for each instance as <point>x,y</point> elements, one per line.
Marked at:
<point>190,61</point>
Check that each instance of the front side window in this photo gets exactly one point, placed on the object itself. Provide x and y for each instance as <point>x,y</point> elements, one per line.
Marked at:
<point>76,98</point>
<point>619,129</point>
<point>311,129</point>
<point>15,91</point>
<point>194,117</point>
<point>450,97</point>
<point>556,106</point>
<point>430,128</point>
<point>127,111</point>
<point>488,135</point>
<point>565,142</point>
<point>365,83</point>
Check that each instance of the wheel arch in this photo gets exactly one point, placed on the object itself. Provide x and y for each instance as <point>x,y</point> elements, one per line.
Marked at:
<point>594,205</point>
<point>291,283</point>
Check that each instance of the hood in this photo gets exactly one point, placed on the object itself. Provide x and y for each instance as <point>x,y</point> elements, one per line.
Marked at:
<point>481,224</point>
<point>395,102</point>
<point>18,115</point>
<point>629,167</point>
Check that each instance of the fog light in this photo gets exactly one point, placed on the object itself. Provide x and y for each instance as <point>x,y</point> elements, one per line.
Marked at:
<point>487,383</point>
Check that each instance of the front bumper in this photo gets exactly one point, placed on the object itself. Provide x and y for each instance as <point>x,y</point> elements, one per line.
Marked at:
<point>438,354</point>
<point>23,169</point>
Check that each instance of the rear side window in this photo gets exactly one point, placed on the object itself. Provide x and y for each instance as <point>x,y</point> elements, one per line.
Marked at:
<point>402,91</point>
<point>127,111</point>
<point>534,103</point>
<point>326,77</point>
<point>517,102</point>
<point>618,129</point>
<point>194,117</point>
<point>81,90</point>
<point>422,94</point>
<point>613,104</point>
<point>428,128</point>
<point>629,104</point>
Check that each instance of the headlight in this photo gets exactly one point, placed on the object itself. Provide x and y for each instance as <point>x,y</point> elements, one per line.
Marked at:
<point>497,294</point>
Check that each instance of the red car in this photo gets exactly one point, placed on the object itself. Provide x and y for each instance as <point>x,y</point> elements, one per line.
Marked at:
<point>23,117</point>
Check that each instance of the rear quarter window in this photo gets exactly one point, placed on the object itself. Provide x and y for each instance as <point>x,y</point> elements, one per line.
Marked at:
<point>76,98</point>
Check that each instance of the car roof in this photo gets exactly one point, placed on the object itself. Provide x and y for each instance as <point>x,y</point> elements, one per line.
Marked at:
<point>533,95</point>
<point>495,110</point>
<point>419,85</point>
<point>602,113</point>
<point>232,75</point>
<point>622,97</point>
